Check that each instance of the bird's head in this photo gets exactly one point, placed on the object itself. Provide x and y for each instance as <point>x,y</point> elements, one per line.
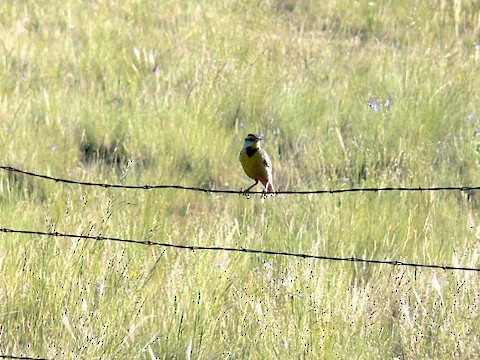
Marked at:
<point>252,141</point>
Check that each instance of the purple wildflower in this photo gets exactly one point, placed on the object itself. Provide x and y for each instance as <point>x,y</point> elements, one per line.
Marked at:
<point>374,105</point>
<point>53,148</point>
<point>477,133</point>
<point>471,117</point>
<point>388,103</point>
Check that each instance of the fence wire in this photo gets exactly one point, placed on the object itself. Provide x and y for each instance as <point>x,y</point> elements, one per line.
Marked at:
<point>241,192</point>
<point>5,356</point>
<point>241,250</point>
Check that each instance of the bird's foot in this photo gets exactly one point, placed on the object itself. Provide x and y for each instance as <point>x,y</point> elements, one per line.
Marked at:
<point>267,192</point>
<point>245,193</point>
<point>264,194</point>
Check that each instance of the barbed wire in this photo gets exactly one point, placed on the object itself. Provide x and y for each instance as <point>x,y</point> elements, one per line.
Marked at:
<point>240,192</point>
<point>240,249</point>
<point>20,357</point>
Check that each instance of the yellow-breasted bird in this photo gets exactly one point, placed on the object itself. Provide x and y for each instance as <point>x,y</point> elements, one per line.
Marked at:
<point>256,163</point>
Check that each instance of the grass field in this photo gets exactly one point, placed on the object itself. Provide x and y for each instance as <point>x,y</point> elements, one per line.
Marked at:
<point>348,94</point>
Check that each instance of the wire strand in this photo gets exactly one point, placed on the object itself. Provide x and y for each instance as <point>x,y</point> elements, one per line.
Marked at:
<point>240,192</point>
<point>242,250</point>
<point>4,356</point>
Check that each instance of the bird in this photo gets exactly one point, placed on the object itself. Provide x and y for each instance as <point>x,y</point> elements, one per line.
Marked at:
<point>256,163</point>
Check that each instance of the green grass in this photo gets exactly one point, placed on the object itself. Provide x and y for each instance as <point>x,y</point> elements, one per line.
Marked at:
<point>164,93</point>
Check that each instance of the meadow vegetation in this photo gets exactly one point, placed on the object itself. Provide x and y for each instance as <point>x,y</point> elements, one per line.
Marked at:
<point>347,93</point>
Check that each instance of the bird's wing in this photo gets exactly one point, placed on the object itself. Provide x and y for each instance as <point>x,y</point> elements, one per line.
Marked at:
<point>266,159</point>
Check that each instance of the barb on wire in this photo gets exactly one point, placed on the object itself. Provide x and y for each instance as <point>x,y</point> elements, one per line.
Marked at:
<point>241,249</point>
<point>240,192</point>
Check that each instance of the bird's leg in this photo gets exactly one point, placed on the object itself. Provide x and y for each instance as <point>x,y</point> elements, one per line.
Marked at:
<point>268,186</point>
<point>248,189</point>
<point>265,191</point>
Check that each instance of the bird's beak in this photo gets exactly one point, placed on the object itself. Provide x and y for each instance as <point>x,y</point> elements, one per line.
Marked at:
<point>258,139</point>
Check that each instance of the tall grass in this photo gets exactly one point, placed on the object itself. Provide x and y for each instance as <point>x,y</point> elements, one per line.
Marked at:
<point>164,93</point>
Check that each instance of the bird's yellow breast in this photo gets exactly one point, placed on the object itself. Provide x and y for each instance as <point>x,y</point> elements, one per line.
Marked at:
<point>254,165</point>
